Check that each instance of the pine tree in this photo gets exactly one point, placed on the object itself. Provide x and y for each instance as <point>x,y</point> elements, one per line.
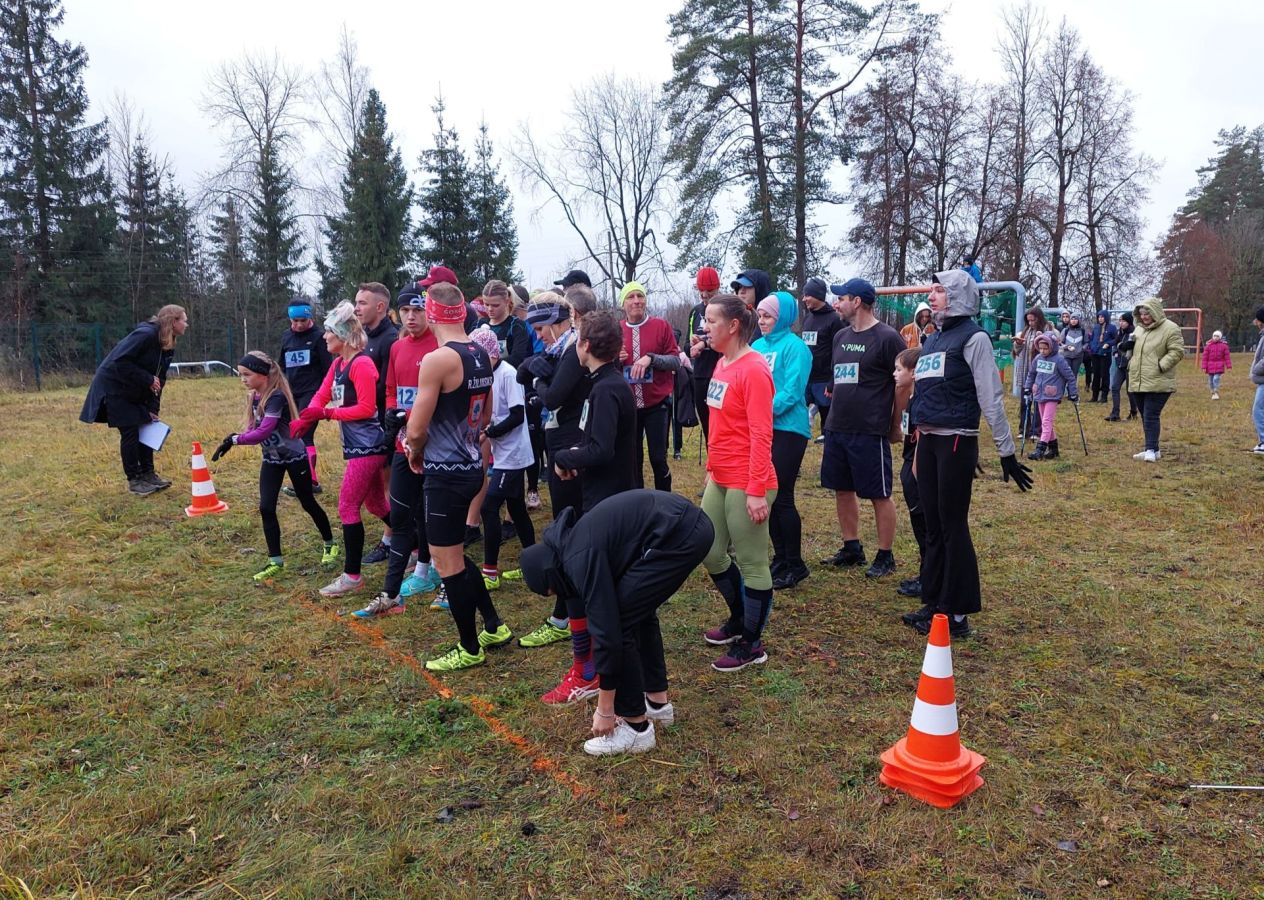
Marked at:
<point>55,212</point>
<point>446,227</point>
<point>273,233</point>
<point>495,234</point>
<point>1233,181</point>
<point>366,243</point>
<point>234,273</point>
<point>141,231</point>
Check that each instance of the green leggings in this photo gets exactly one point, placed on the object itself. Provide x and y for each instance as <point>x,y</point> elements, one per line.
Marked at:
<point>726,508</point>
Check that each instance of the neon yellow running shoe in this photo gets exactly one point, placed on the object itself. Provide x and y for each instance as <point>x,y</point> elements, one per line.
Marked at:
<point>455,659</point>
<point>548,633</point>
<point>491,583</point>
<point>512,575</point>
<point>270,571</point>
<point>329,557</point>
<point>498,638</point>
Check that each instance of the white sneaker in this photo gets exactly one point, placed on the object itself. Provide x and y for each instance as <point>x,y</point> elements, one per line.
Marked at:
<point>343,584</point>
<point>624,739</point>
<point>1258,448</point>
<point>381,605</point>
<point>1149,455</point>
<point>1215,396</point>
<point>664,716</point>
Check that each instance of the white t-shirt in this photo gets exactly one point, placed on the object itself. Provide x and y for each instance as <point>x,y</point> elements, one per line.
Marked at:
<point>512,450</point>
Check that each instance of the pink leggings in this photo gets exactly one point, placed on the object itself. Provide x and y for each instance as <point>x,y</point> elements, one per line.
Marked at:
<point>1048,412</point>
<point>362,486</point>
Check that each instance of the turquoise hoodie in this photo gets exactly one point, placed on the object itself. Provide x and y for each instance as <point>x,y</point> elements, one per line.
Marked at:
<point>791,362</point>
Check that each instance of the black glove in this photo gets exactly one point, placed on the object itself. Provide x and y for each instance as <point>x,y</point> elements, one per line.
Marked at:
<point>395,420</point>
<point>1012,468</point>
<point>540,367</point>
<point>1126,346</point>
<point>226,445</point>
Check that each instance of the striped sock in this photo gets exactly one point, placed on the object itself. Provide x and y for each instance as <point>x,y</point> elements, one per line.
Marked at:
<point>491,571</point>
<point>581,645</point>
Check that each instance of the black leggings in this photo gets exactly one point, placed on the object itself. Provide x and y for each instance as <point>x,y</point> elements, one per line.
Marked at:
<point>517,507</point>
<point>651,428</point>
<point>1150,404</point>
<point>535,431</point>
<point>784,524</point>
<point>913,500</point>
<point>1099,376</point>
<point>945,482</point>
<point>271,475</point>
<point>408,523</point>
<point>563,494</point>
<point>137,458</point>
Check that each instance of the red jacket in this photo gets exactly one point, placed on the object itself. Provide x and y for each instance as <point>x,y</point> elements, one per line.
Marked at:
<point>401,373</point>
<point>653,335</point>
<point>1216,358</point>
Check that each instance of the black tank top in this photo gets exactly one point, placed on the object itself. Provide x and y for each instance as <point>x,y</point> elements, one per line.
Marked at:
<point>452,442</point>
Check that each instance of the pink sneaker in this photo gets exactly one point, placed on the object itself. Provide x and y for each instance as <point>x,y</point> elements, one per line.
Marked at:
<point>572,689</point>
<point>740,656</point>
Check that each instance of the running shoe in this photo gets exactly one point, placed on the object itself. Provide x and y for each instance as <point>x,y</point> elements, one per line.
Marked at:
<point>1147,455</point>
<point>381,605</point>
<point>414,584</point>
<point>377,554</point>
<point>846,558</point>
<point>343,584</point>
<point>329,556</point>
<point>624,739</point>
<point>910,587</point>
<point>492,582</point>
<point>456,659</point>
<point>498,638</point>
<point>533,500</point>
<point>883,565</point>
<point>664,715</point>
<point>270,571</point>
<point>512,575</point>
<point>723,635</point>
<point>571,689</point>
<point>141,487</point>
<point>441,598</point>
<point>316,489</point>
<point>1258,448</point>
<point>790,576</point>
<point>740,656</point>
<point>548,633</point>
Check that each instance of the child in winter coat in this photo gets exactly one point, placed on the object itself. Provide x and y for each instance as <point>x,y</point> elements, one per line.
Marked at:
<point>1216,362</point>
<point>1049,377</point>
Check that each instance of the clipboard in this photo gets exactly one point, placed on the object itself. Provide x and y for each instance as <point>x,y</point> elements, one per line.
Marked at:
<point>154,435</point>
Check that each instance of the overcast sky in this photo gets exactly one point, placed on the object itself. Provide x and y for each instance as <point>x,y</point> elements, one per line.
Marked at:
<point>1190,67</point>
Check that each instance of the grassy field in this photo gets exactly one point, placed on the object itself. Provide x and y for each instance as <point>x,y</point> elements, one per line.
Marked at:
<point>168,729</point>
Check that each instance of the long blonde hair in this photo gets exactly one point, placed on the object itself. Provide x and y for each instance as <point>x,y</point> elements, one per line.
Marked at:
<point>276,382</point>
<point>166,318</point>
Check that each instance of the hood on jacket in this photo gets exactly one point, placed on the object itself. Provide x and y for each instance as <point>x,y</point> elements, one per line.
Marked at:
<point>1103,317</point>
<point>759,280</point>
<point>963,292</point>
<point>1047,337</point>
<point>541,563</point>
<point>922,307</point>
<point>1155,307</point>
<point>787,313</point>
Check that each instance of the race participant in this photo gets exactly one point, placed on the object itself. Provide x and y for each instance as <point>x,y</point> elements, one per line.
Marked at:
<point>741,482</point>
<point>631,554</point>
<point>347,395</point>
<point>516,343</point>
<point>270,409</point>
<point>956,382</point>
<point>305,359</point>
<point>371,304</point>
<point>649,352</point>
<point>820,324</point>
<point>857,458</point>
<point>450,411</point>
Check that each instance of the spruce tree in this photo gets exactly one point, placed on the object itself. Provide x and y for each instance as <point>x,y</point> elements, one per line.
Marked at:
<point>273,233</point>
<point>55,211</point>
<point>366,243</point>
<point>495,234</point>
<point>446,227</point>
<point>141,237</point>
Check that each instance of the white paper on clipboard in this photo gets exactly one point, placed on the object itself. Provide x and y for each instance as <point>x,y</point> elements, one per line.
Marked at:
<point>154,435</point>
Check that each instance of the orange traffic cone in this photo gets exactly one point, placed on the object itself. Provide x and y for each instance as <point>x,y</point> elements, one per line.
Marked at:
<point>930,763</point>
<point>204,500</point>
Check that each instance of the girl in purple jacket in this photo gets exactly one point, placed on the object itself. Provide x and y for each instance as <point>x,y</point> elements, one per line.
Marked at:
<point>1049,377</point>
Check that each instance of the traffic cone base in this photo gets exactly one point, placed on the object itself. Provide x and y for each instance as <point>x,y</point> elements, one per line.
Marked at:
<point>205,502</point>
<point>929,763</point>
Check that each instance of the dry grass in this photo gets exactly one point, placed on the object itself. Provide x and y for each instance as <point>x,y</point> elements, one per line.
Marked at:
<point>170,730</point>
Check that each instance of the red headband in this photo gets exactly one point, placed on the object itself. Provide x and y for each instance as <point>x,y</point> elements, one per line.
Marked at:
<point>438,314</point>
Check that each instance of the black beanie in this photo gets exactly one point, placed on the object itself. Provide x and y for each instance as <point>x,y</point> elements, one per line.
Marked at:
<point>1259,314</point>
<point>535,562</point>
<point>1127,316</point>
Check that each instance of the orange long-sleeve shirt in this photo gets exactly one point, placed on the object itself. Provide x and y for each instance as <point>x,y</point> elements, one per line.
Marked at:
<point>739,449</point>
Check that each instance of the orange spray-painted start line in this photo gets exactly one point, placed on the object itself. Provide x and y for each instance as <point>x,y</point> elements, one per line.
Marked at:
<point>540,760</point>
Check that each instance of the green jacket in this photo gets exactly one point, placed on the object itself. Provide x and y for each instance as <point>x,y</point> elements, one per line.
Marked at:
<point>1157,351</point>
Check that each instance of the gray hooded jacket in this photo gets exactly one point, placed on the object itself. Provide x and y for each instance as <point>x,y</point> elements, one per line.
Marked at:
<point>963,300</point>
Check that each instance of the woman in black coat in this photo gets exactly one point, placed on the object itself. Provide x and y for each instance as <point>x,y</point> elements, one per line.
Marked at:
<point>127,390</point>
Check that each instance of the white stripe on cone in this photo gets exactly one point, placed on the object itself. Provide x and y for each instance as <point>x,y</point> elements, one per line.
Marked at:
<point>931,718</point>
<point>199,461</point>
<point>938,662</point>
<point>203,488</point>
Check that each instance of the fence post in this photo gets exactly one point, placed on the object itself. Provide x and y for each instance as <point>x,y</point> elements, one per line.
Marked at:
<point>35,354</point>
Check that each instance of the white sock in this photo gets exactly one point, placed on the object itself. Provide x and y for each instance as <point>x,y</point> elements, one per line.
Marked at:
<point>957,618</point>
<point>422,570</point>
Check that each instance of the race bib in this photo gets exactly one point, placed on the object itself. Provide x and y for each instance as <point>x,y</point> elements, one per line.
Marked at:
<point>296,358</point>
<point>929,365</point>
<point>502,345</point>
<point>337,392</point>
<point>583,417</point>
<point>904,422</point>
<point>715,393</point>
<point>1046,366</point>
<point>771,359</point>
<point>847,373</point>
<point>405,397</point>
<point>646,378</point>
<point>548,418</point>
<point>809,338</point>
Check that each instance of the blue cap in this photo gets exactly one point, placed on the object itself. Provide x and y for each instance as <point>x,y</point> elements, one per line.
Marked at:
<point>299,311</point>
<point>742,281</point>
<point>856,287</point>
